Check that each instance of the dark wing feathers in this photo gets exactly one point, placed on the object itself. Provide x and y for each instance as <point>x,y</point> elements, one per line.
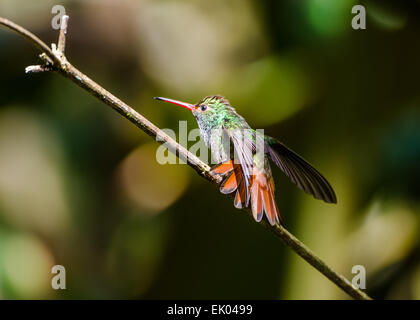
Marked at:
<point>300,171</point>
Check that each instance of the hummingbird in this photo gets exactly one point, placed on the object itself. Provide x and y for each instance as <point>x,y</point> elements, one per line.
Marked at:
<point>242,158</point>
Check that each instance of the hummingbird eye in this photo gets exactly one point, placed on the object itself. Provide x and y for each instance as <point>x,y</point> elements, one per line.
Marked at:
<point>203,107</point>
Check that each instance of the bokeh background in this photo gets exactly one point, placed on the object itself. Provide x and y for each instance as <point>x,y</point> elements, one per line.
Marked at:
<point>80,185</point>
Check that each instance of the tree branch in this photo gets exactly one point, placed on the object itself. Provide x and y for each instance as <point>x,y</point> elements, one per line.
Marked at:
<point>63,31</point>
<point>54,59</point>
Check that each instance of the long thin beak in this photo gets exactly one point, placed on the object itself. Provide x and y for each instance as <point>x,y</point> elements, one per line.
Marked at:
<point>178,103</point>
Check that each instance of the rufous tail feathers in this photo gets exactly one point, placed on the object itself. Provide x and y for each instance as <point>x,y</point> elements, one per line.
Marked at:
<point>261,190</point>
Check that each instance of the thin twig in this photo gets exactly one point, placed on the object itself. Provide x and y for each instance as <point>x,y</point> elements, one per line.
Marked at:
<point>301,249</point>
<point>57,58</point>
<point>36,69</point>
<point>62,37</point>
<point>29,35</point>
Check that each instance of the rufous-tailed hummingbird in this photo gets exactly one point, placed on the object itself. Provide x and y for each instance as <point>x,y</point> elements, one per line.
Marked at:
<point>244,169</point>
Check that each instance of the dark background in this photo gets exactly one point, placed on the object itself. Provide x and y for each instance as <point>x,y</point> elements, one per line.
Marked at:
<point>80,185</point>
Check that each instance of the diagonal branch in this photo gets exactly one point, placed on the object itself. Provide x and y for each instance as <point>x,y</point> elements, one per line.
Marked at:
<point>54,59</point>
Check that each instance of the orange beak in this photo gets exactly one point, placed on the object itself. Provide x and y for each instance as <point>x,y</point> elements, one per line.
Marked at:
<point>178,103</point>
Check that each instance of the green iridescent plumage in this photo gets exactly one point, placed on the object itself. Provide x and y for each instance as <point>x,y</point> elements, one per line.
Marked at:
<point>229,136</point>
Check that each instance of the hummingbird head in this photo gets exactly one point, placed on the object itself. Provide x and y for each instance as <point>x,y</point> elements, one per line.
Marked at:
<point>209,112</point>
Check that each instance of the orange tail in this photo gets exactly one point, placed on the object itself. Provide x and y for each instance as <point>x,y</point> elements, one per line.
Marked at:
<point>262,197</point>
<point>232,182</point>
<point>262,190</point>
<point>223,168</point>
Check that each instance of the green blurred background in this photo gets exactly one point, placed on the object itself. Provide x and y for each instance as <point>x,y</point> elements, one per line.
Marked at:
<point>80,185</point>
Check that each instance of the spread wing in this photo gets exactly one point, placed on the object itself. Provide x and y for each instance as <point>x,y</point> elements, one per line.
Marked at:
<point>300,172</point>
